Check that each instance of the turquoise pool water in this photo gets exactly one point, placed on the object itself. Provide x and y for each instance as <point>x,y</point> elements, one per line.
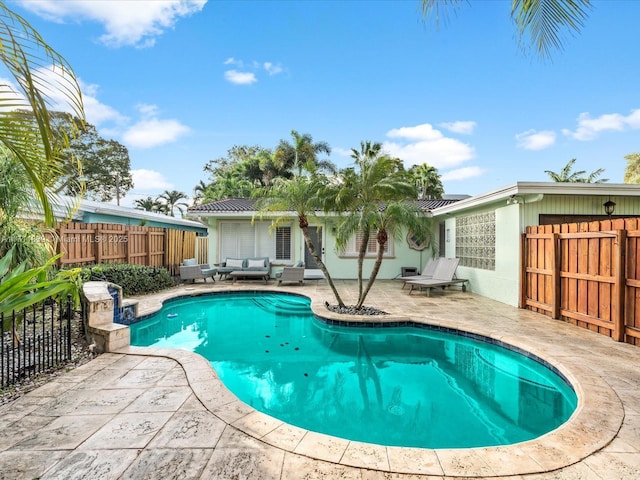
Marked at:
<point>397,385</point>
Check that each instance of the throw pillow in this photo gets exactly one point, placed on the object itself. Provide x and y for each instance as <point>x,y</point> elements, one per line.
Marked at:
<point>234,263</point>
<point>256,264</point>
<point>189,261</point>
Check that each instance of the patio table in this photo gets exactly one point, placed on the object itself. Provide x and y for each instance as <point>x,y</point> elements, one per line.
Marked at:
<point>263,274</point>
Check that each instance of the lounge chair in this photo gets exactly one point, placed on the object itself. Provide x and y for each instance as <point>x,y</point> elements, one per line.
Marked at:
<point>292,274</point>
<point>427,271</point>
<point>443,276</point>
<point>191,271</point>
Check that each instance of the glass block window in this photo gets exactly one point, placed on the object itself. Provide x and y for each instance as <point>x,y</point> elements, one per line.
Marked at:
<point>476,240</point>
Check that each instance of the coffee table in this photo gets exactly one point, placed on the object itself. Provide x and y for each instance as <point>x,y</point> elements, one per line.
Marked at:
<point>263,274</point>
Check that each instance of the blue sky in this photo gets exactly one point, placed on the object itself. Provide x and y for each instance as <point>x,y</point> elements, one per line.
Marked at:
<point>180,82</point>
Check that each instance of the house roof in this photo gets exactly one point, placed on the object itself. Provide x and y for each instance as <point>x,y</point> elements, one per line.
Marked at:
<point>225,205</point>
<point>66,207</point>
<point>528,192</point>
<point>240,205</point>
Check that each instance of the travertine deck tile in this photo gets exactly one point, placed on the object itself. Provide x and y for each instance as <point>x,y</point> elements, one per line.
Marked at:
<point>153,413</point>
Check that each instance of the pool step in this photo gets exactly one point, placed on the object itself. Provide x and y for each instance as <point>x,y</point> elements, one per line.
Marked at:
<point>281,306</point>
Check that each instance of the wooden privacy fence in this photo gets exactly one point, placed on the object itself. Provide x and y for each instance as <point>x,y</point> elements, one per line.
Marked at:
<point>94,243</point>
<point>587,274</point>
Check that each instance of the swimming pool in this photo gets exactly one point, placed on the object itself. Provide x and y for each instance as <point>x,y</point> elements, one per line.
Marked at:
<point>394,385</point>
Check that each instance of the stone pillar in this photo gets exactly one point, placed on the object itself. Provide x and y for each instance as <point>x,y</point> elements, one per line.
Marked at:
<point>101,331</point>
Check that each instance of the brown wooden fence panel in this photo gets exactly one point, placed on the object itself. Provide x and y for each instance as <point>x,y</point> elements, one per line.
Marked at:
<point>597,275</point>
<point>94,243</point>
<point>632,289</point>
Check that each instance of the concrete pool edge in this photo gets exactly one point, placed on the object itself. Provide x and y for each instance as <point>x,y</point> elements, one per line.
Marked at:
<point>594,424</point>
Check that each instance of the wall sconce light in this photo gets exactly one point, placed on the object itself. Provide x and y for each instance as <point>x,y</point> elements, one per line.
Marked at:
<point>609,207</point>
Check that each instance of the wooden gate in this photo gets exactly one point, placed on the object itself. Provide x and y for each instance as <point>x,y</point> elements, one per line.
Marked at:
<point>586,274</point>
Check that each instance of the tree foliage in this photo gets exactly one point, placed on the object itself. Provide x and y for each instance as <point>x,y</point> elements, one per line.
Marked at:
<point>104,163</point>
<point>568,175</point>
<point>235,175</point>
<point>302,154</point>
<point>375,196</point>
<point>540,24</point>
<point>150,204</point>
<point>173,200</point>
<point>42,77</point>
<point>23,237</point>
<point>302,194</point>
<point>427,181</point>
<point>632,170</point>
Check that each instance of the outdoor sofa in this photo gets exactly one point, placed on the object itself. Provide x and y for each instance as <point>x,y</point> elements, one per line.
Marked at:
<point>255,267</point>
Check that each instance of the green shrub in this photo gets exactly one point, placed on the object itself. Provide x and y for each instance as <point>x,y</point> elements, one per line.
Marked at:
<point>134,279</point>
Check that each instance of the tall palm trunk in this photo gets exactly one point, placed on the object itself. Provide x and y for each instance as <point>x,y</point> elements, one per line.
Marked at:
<point>382,240</point>
<point>304,226</point>
<point>361,254</point>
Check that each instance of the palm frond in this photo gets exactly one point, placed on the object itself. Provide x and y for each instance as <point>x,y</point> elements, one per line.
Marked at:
<point>544,21</point>
<point>44,80</point>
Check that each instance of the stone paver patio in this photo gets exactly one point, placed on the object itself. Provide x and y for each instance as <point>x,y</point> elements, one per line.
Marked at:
<point>147,413</point>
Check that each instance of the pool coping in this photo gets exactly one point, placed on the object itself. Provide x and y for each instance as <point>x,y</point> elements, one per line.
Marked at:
<point>588,430</point>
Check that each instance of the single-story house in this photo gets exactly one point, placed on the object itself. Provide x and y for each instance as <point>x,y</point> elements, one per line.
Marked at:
<point>483,231</point>
<point>236,232</point>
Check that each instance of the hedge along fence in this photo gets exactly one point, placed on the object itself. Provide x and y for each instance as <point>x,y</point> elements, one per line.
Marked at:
<point>587,274</point>
<point>97,243</point>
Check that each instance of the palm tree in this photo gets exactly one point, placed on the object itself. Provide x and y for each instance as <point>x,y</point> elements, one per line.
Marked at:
<point>542,21</point>
<point>199,192</point>
<point>149,204</point>
<point>300,194</point>
<point>427,180</point>
<point>25,123</point>
<point>172,201</point>
<point>566,175</point>
<point>303,154</point>
<point>374,196</point>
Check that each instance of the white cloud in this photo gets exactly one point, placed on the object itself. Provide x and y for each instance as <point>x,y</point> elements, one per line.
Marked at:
<point>589,128</point>
<point>97,112</point>
<point>534,140</point>
<point>250,72</point>
<point>419,132</point>
<point>240,78</point>
<point>154,132</point>
<point>462,173</point>
<point>126,22</point>
<point>463,127</point>
<point>150,180</point>
<point>271,68</point>
<point>426,144</point>
<point>151,131</point>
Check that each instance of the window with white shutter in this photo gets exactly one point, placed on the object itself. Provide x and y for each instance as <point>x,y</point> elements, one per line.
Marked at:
<point>244,240</point>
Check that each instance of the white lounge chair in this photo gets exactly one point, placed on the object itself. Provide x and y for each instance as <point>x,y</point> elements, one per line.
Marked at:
<point>427,271</point>
<point>443,276</point>
<point>292,274</point>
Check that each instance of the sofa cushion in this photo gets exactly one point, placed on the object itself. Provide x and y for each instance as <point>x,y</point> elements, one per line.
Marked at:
<point>259,263</point>
<point>234,263</point>
<point>251,264</point>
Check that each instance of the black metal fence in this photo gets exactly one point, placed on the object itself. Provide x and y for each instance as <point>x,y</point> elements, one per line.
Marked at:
<point>35,340</point>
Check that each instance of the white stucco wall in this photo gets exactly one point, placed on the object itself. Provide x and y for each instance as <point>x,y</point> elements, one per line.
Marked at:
<point>501,284</point>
